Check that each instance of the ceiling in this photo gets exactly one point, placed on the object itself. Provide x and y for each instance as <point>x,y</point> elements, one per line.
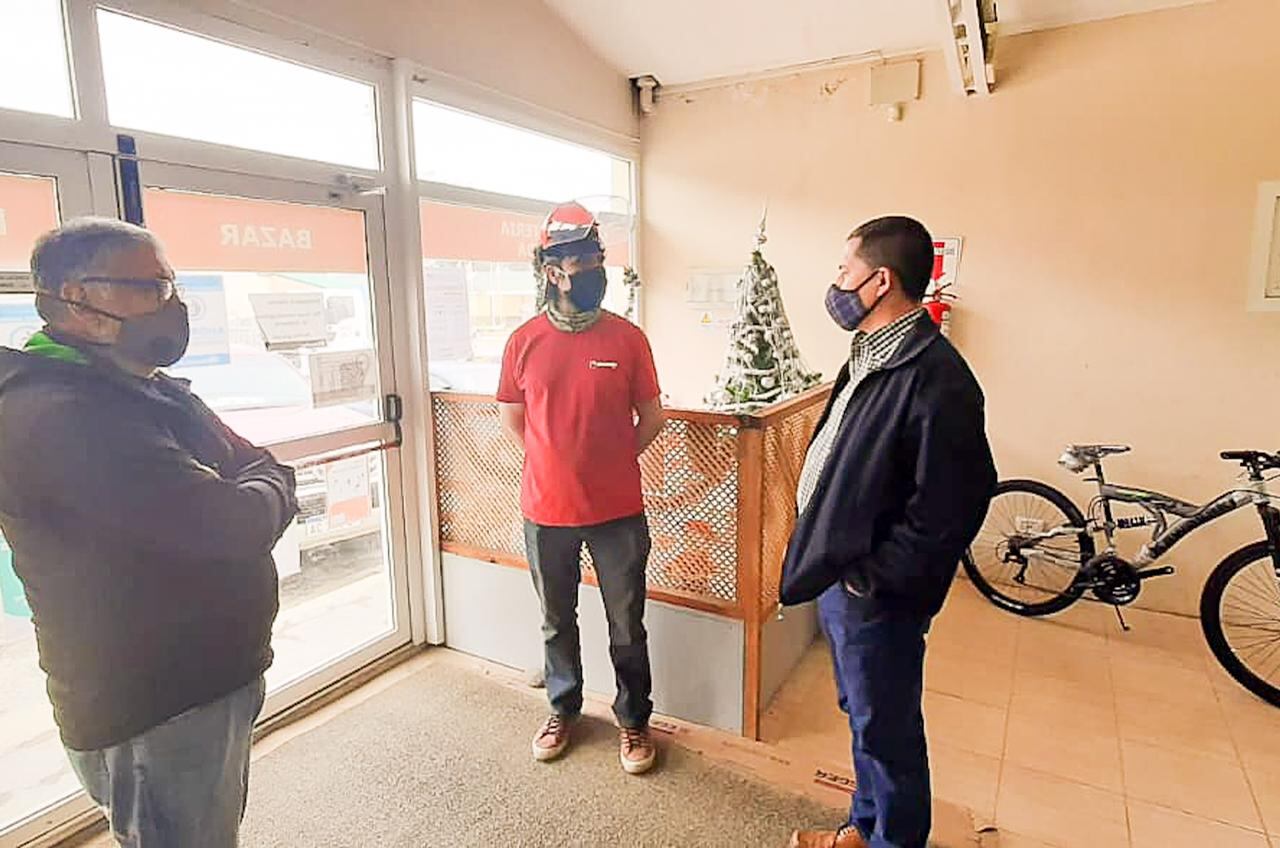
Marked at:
<point>684,41</point>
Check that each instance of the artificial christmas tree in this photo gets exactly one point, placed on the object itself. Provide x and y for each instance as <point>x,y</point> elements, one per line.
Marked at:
<point>763,364</point>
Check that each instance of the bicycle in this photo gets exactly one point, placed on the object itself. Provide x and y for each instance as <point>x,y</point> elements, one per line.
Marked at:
<point>1035,555</point>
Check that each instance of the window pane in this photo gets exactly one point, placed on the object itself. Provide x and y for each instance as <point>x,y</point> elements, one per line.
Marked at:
<point>466,150</point>
<point>478,269</point>
<point>33,50</point>
<point>280,303</point>
<point>165,81</point>
<point>335,568</point>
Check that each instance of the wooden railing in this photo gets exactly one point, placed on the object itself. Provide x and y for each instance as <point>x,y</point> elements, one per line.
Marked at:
<point>719,494</point>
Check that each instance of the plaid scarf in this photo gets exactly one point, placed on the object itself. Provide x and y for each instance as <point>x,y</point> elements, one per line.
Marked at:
<point>571,322</point>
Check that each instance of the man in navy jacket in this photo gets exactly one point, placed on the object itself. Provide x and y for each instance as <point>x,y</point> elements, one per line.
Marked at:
<point>895,485</point>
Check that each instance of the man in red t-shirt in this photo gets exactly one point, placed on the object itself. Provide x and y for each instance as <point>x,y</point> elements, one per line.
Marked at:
<point>579,393</point>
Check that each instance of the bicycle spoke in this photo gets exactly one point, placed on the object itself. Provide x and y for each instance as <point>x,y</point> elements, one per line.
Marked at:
<point>1252,643</point>
<point>1260,613</point>
<point>1256,626</point>
<point>1264,580</point>
<point>1268,654</point>
<point>1270,674</point>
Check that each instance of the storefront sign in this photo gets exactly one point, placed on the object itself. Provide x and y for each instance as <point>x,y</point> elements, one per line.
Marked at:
<point>203,232</point>
<point>343,377</point>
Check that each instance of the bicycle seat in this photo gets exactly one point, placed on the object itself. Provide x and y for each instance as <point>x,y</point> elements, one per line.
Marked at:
<point>1079,457</point>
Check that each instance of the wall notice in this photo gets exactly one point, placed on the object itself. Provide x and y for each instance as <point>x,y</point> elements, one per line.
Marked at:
<point>17,324</point>
<point>343,377</point>
<point>1273,261</point>
<point>713,294</point>
<point>206,301</point>
<point>946,261</point>
<point>448,313</point>
<point>290,319</point>
<point>350,499</point>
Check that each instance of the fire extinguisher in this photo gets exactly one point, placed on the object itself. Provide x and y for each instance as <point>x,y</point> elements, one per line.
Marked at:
<point>939,302</point>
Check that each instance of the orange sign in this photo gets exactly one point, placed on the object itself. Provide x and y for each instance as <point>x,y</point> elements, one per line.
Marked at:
<point>488,235</point>
<point>28,209</point>
<point>202,232</point>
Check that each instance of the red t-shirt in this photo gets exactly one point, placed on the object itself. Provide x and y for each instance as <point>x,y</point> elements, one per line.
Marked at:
<point>579,392</point>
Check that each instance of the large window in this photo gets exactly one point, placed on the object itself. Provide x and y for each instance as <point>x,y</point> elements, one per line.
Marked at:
<point>466,150</point>
<point>477,256</point>
<point>166,81</point>
<point>33,58</point>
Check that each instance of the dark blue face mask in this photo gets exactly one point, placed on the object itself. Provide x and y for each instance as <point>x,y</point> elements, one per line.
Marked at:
<point>586,289</point>
<point>845,306</point>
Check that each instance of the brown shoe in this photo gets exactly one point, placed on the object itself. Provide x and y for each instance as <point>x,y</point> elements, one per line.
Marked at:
<point>636,749</point>
<point>845,837</point>
<point>552,738</point>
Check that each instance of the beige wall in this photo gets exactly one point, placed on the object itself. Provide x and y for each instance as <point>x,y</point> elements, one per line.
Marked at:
<point>517,47</point>
<point>1105,195</point>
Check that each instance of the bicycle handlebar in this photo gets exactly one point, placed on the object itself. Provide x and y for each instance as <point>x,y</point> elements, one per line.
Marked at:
<point>1261,459</point>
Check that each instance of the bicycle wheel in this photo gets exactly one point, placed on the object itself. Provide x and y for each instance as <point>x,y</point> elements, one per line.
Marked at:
<point>1043,580</point>
<point>1240,616</point>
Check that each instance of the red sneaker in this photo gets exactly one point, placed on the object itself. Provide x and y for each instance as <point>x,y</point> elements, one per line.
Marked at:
<point>552,738</point>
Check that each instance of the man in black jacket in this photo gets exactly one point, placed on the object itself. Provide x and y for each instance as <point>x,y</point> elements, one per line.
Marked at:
<point>894,487</point>
<point>142,531</point>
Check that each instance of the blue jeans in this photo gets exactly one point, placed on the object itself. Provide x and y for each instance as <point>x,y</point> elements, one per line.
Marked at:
<point>879,668</point>
<point>619,551</point>
<point>182,783</point>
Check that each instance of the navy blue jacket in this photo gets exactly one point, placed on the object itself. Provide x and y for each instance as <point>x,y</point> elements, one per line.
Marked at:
<point>906,486</point>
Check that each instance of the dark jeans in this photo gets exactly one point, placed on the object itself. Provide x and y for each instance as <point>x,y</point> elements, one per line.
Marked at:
<point>619,549</point>
<point>879,670</point>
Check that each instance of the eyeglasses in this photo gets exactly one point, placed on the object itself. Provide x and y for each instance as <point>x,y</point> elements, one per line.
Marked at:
<point>163,286</point>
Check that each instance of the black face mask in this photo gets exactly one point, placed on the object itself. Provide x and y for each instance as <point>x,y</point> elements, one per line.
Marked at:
<point>156,339</point>
<point>586,290</point>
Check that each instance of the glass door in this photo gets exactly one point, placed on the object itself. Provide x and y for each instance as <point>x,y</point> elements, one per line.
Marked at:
<point>39,188</point>
<point>291,344</point>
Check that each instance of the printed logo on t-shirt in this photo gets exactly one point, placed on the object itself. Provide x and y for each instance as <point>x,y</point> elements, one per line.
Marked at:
<point>600,363</point>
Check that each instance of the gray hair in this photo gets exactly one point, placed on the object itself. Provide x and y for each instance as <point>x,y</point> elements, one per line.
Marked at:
<point>71,251</point>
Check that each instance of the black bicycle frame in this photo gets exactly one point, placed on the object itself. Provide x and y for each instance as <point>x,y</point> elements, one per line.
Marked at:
<point>1271,521</point>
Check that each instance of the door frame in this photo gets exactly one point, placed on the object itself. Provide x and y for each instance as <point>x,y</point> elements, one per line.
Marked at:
<point>350,443</point>
<point>85,185</point>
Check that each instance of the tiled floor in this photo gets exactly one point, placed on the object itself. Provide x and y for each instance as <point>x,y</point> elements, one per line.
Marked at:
<point>1070,732</point>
